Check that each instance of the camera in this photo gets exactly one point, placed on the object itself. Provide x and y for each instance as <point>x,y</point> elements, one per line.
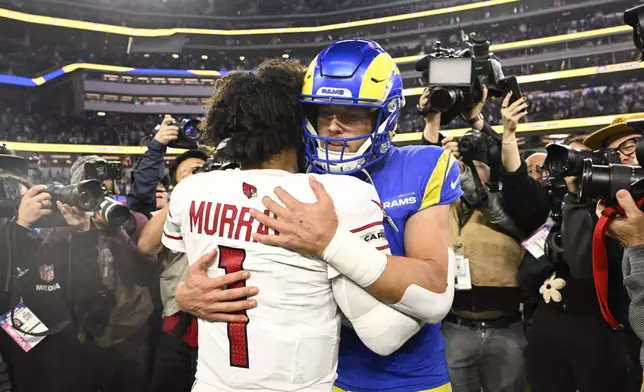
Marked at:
<point>103,170</point>
<point>115,213</point>
<point>602,181</point>
<point>86,195</point>
<point>455,77</point>
<point>188,133</point>
<point>478,146</point>
<point>212,164</point>
<point>634,17</point>
<point>564,161</point>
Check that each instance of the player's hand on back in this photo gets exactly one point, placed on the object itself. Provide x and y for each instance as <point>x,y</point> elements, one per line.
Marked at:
<point>306,228</point>
<point>208,298</point>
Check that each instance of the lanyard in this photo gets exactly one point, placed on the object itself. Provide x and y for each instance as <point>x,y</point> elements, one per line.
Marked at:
<point>600,261</point>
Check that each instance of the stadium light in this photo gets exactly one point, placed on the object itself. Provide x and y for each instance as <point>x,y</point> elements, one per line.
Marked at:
<point>285,56</point>
<point>100,114</point>
<point>175,56</point>
<point>204,57</point>
<point>242,58</point>
<point>146,55</point>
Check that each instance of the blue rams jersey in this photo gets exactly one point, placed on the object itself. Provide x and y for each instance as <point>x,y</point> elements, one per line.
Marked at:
<point>409,179</point>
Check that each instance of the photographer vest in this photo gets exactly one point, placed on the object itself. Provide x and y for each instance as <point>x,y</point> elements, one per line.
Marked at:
<point>494,257</point>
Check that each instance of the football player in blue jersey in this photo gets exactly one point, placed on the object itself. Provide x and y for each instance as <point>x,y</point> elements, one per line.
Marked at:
<point>352,97</point>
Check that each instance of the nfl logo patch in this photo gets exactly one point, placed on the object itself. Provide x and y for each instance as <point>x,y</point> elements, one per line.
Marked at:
<point>46,273</point>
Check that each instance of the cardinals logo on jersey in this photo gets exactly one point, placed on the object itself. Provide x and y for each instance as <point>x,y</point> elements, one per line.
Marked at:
<point>249,190</point>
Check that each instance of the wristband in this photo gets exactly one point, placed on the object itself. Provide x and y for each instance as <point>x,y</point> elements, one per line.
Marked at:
<point>473,121</point>
<point>354,258</point>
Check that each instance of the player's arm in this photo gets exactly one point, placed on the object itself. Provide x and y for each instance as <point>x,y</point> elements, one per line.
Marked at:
<point>172,237</point>
<point>152,234</point>
<point>422,283</point>
<point>380,327</point>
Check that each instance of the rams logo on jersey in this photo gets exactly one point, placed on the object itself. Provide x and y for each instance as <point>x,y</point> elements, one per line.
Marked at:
<point>250,191</point>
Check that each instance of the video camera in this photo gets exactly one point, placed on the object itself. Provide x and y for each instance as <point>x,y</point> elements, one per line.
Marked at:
<point>455,78</point>
<point>188,133</point>
<point>634,17</point>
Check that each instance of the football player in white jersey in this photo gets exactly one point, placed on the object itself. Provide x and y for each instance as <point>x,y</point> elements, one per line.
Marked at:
<point>289,341</point>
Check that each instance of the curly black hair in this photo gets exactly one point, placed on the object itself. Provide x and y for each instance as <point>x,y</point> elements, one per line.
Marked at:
<point>256,114</point>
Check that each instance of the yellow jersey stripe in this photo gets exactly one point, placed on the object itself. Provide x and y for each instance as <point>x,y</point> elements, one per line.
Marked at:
<point>435,184</point>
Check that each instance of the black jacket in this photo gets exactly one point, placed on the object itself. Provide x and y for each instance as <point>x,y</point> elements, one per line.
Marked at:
<point>526,200</point>
<point>145,178</point>
<point>42,271</point>
<point>579,220</point>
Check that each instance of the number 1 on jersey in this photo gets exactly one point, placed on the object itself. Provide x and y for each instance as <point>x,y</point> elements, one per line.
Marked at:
<point>232,260</point>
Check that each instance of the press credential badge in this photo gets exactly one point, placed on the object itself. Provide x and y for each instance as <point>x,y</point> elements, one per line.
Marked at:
<point>26,320</point>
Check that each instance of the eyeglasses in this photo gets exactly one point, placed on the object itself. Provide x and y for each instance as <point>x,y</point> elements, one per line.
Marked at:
<point>628,147</point>
<point>536,169</point>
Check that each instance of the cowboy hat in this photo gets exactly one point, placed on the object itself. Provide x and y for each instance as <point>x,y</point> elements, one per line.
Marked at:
<point>620,125</point>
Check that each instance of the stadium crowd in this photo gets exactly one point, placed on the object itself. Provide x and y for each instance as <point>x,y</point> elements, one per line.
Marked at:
<point>129,129</point>
<point>24,56</point>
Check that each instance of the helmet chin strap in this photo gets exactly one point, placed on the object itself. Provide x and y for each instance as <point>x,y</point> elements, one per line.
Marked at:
<point>337,155</point>
<point>341,167</point>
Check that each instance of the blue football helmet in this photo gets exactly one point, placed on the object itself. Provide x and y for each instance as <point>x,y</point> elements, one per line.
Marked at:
<point>357,73</point>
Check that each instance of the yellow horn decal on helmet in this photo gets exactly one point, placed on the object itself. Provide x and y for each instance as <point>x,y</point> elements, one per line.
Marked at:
<point>375,82</point>
<point>307,87</point>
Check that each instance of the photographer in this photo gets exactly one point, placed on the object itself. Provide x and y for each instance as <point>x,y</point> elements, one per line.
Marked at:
<point>487,300</point>
<point>148,175</point>
<point>175,349</point>
<point>527,201</point>
<point>115,321</point>
<point>49,277</point>
<point>569,339</point>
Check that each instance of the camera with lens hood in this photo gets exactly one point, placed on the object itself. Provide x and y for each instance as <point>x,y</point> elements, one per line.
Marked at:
<point>188,133</point>
<point>455,78</point>
<point>564,161</point>
<point>602,181</point>
<point>87,195</point>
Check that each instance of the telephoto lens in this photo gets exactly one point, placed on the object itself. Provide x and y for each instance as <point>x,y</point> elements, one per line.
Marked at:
<point>442,99</point>
<point>603,182</point>
<point>86,195</point>
<point>114,212</point>
<point>565,161</point>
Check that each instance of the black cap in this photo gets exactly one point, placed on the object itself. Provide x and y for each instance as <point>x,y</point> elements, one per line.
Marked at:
<point>180,158</point>
<point>12,163</point>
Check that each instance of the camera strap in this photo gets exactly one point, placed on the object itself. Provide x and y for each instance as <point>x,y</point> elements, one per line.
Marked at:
<point>600,261</point>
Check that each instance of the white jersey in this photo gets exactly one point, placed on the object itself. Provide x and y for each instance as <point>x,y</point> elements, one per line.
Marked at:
<point>290,342</point>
